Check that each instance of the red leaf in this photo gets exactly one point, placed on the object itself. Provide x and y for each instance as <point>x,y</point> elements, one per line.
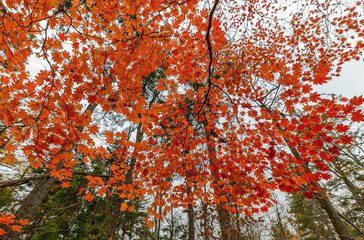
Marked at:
<point>62,36</point>
<point>357,116</point>
<point>81,191</point>
<point>342,128</point>
<point>16,228</point>
<point>65,184</point>
<point>89,197</point>
<point>357,100</point>
<point>308,195</point>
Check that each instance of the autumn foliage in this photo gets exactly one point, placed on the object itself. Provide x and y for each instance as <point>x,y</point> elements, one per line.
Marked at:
<point>231,106</point>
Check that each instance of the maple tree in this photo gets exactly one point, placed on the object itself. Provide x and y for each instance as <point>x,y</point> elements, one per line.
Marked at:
<point>224,113</point>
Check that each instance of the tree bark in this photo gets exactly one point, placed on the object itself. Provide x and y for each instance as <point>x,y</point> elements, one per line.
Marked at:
<point>115,208</point>
<point>228,232</point>
<point>355,191</point>
<point>30,204</point>
<point>171,233</point>
<point>191,222</point>
<point>325,203</point>
<point>321,196</point>
<point>34,199</point>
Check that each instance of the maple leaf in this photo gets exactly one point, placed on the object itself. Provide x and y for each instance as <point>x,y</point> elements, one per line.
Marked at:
<point>308,195</point>
<point>16,228</point>
<point>7,219</point>
<point>342,128</point>
<point>62,36</point>
<point>264,209</point>
<point>357,116</point>
<point>23,221</point>
<point>123,206</point>
<point>65,184</point>
<point>9,159</point>
<point>53,3</point>
<point>92,99</point>
<point>89,197</point>
<point>357,101</point>
<point>325,176</point>
<point>131,208</point>
<point>81,191</point>
<point>150,224</point>
<point>109,137</point>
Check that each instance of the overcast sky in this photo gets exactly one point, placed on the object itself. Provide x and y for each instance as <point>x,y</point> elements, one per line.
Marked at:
<point>349,84</point>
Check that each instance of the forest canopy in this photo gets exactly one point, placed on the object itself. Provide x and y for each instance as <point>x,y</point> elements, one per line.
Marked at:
<point>132,109</point>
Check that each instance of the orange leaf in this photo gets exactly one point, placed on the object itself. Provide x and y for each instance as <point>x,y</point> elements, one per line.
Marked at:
<point>100,192</point>
<point>123,206</point>
<point>131,208</point>
<point>89,197</point>
<point>150,224</point>
<point>65,184</point>
<point>81,191</point>
<point>16,228</point>
<point>109,137</point>
<point>23,221</point>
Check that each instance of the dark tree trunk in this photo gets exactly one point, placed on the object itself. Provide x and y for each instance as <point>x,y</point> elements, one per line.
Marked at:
<point>206,232</point>
<point>30,204</point>
<point>228,232</point>
<point>336,221</point>
<point>115,208</point>
<point>171,233</point>
<point>355,191</point>
<point>191,222</point>
<point>34,199</point>
<point>325,203</point>
<point>158,225</point>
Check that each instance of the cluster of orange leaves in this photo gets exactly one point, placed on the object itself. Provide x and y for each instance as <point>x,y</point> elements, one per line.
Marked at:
<point>243,111</point>
<point>8,220</point>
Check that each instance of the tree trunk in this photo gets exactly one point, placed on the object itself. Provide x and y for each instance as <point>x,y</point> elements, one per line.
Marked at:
<point>34,199</point>
<point>355,191</point>
<point>206,232</point>
<point>228,232</point>
<point>339,226</point>
<point>30,204</point>
<point>318,209</point>
<point>321,197</point>
<point>325,203</point>
<point>115,208</point>
<point>191,222</point>
<point>224,216</point>
<point>190,211</point>
<point>171,233</point>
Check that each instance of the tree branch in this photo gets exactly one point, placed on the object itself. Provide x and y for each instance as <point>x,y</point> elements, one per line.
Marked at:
<point>12,183</point>
<point>21,181</point>
<point>209,46</point>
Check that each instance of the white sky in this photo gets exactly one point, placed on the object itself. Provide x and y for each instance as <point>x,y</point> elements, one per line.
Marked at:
<point>349,84</point>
